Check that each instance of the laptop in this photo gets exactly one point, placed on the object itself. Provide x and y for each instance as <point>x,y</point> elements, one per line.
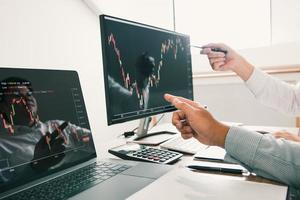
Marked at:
<point>46,144</point>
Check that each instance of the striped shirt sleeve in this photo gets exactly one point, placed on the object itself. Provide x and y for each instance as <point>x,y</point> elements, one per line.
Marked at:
<point>263,154</point>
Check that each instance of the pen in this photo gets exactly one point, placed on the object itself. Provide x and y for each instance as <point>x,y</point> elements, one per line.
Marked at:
<point>58,130</point>
<point>183,121</point>
<point>213,49</point>
<point>263,132</point>
<point>216,169</point>
<point>48,139</point>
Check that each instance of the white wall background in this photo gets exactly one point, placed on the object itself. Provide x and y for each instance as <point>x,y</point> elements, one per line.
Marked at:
<point>231,22</point>
<point>153,12</point>
<point>285,21</point>
<point>65,34</point>
<point>229,100</point>
<point>265,31</point>
<point>59,34</point>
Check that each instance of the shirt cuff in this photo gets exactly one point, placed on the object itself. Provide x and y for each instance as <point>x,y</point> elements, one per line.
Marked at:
<point>257,81</point>
<point>242,144</point>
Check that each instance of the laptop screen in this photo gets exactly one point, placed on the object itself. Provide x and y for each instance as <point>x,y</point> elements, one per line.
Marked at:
<point>44,126</point>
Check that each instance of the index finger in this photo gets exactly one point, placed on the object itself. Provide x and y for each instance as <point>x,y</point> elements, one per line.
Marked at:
<point>180,105</point>
<point>170,98</point>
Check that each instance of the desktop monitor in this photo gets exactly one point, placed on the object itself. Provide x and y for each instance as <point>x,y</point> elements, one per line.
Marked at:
<point>141,63</point>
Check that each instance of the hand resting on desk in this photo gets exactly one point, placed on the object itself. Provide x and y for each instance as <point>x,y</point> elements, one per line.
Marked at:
<point>286,135</point>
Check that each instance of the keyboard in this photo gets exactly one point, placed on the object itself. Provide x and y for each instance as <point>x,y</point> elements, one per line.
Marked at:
<point>189,146</point>
<point>132,151</point>
<point>71,183</point>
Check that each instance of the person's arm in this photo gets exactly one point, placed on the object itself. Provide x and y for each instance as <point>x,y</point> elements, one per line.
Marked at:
<point>265,155</point>
<point>275,93</point>
<point>229,61</point>
<point>277,159</point>
<point>267,89</point>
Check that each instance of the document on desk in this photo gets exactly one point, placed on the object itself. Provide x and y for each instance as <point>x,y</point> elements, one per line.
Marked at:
<point>211,153</point>
<point>181,183</point>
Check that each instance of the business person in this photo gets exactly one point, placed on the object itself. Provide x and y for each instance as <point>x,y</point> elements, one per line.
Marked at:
<point>133,94</point>
<point>268,90</point>
<point>263,154</point>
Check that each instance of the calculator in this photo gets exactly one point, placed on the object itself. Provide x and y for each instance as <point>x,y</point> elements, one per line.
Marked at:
<point>132,151</point>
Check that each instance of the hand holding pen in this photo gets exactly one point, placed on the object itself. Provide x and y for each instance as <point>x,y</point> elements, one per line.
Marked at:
<point>184,123</point>
<point>222,58</point>
<point>56,135</point>
<point>213,49</point>
<point>201,124</point>
<point>51,143</point>
<point>218,55</point>
<point>49,150</point>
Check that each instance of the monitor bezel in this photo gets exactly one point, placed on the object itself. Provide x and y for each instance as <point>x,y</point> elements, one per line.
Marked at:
<point>110,120</point>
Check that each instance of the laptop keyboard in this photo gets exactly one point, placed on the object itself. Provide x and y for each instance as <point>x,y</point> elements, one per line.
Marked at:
<point>71,183</point>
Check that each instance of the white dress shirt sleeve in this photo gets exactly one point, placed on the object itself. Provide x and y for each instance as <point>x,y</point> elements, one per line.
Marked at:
<point>274,93</point>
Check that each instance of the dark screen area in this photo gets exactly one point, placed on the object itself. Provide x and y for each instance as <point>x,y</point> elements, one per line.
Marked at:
<point>44,126</point>
<point>141,64</point>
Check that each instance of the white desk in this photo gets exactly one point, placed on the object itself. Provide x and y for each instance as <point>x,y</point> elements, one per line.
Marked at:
<point>187,158</point>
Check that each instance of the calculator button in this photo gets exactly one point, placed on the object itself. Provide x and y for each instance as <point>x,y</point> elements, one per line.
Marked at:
<point>155,155</point>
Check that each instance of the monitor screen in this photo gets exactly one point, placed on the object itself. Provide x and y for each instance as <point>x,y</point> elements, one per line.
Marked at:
<point>44,126</point>
<point>142,63</point>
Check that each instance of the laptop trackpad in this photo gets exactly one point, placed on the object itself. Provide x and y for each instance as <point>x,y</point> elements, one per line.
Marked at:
<point>117,187</point>
<point>148,170</point>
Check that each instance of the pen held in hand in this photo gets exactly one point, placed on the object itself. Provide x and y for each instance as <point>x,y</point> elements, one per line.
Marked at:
<point>215,49</point>
<point>183,122</point>
<point>61,127</point>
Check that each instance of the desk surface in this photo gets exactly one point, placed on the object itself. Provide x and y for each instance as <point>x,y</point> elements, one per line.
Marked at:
<point>181,184</point>
<point>183,162</point>
<point>188,158</point>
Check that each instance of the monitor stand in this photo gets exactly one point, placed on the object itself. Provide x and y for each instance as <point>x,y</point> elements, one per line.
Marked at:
<point>143,137</point>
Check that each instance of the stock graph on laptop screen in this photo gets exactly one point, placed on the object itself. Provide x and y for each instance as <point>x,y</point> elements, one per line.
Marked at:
<point>43,124</point>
